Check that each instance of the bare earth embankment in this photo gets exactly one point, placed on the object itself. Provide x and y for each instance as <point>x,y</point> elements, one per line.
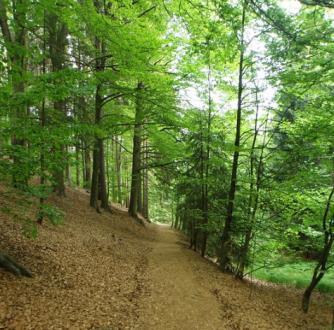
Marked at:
<point>108,272</point>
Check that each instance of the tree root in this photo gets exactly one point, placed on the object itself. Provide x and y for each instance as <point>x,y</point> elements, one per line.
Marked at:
<point>13,267</point>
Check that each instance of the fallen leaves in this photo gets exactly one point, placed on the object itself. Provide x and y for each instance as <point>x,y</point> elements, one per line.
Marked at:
<point>102,271</point>
<point>85,271</point>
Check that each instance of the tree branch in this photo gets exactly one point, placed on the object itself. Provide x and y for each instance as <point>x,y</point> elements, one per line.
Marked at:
<point>322,3</point>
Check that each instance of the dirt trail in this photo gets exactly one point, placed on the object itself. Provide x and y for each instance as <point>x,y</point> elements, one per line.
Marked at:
<point>186,291</point>
<point>178,299</point>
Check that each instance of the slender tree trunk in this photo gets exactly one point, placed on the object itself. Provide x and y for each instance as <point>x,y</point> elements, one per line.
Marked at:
<point>77,164</point>
<point>118,168</point>
<point>112,180</point>
<point>224,258</point>
<point>320,268</point>
<point>205,196</point>
<point>254,190</point>
<point>127,184</point>
<point>87,160</point>
<point>136,156</point>
<point>94,190</point>
<point>67,167</point>
<point>85,140</point>
<point>102,177</point>
<point>140,192</point>
<point>83,163</point>
<point>145,183</point>
<point>42,179</point>
<point>109,158</point>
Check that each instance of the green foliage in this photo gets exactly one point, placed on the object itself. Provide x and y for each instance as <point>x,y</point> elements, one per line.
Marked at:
<point>295,274</point>
<point>52,213</point>
<point>30,229</point>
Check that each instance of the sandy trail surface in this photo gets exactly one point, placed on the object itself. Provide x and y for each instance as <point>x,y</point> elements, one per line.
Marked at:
<point>189,292</point>
<point>178,300</point>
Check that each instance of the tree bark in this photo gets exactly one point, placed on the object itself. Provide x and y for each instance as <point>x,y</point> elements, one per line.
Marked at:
<point>98,186</point>
<point>57,47</point>
<point>118,168</point>
<point>145,184</point>
<point>136,155</point>
<point>77,164</point>
<point>87,161</point>
<point>42,116</point>
<point>320,268</point>
<point>95,179</point>
<point>15,43</point>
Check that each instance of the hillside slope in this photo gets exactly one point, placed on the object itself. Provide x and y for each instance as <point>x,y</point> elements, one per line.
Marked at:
<point>108,272</point>
<point>88,272</point>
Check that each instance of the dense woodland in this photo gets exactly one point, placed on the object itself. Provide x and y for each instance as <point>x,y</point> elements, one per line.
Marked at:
<point>214,116</point>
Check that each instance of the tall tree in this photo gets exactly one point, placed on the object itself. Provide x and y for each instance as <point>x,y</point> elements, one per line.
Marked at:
<point>98,186</point>
<point>136,153</point>
<point>224,258</point>
<point>15,38</point>
<point>57,49</point>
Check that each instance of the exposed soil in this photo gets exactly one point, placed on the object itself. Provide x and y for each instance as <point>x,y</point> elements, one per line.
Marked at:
<point>189,292</point>
<point>109,272</point>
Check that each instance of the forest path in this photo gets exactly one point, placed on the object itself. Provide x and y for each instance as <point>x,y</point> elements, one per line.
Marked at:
<point>178,298</point>
<point>185,291</point>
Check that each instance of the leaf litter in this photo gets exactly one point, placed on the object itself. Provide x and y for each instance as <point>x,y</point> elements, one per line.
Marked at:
<point>106,271</point>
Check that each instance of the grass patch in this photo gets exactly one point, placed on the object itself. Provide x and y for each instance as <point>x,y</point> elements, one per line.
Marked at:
<point>296,274</point>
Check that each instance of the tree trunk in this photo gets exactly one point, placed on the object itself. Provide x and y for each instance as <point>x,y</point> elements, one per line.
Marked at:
<point>102,177</point>
<point>118,168</point>
<point>85,140</point>
<point>136,155</point>
<point>57,46</point>
<point>87,160</point>
<point>77,164</point>
<point>109,157</point>
<point>224,258</point>
<point>67,168</point>
<point>98,186</point>
<point>95,179</point>
<point>207,140</point>
<point>254,190</point>
<point>140,192</point>
<point>42,116</point>
<point>15,43</point>
<point>320,269</point>
<point>145,184</point>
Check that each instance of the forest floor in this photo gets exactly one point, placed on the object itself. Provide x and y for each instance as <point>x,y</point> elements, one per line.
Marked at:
<point>105,271</point>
